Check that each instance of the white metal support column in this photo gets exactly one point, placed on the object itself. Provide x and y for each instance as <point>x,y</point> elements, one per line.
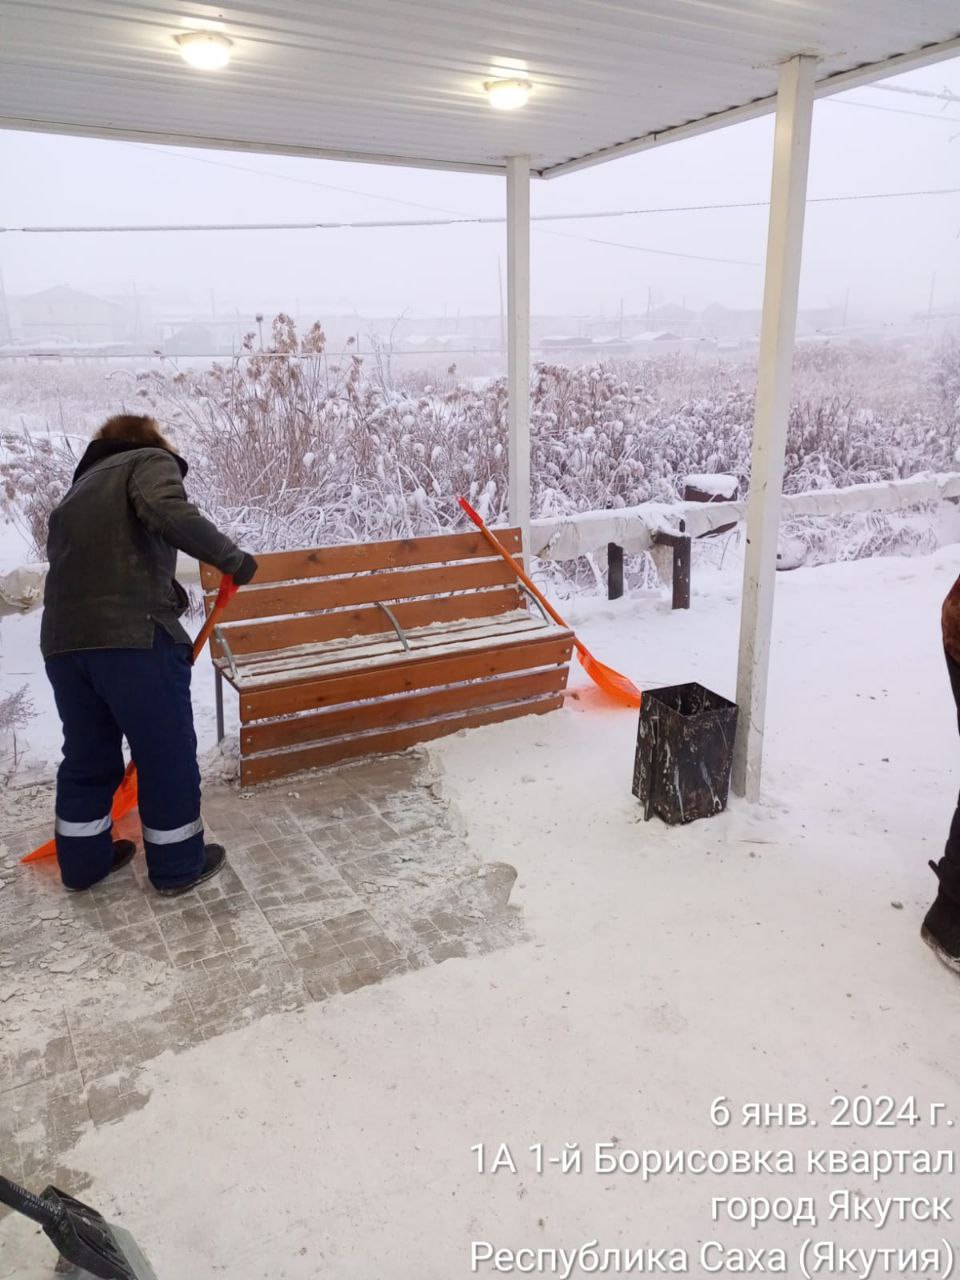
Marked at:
<point>518,341</point>
<point>791,152</point>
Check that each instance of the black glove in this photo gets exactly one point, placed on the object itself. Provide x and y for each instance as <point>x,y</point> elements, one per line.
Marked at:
<point>248,567</point>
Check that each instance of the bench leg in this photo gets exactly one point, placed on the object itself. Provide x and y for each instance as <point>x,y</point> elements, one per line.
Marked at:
<point>681,572</point>
<point>218,681</point>
<point>681,545</point>
<point>614,571</point>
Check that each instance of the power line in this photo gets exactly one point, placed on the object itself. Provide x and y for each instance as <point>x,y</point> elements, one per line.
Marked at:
<point>286,177</point>
<point>893,111</point>
<point>456,220</point>
<point>354,226</point>
<point>945,96</point>
<point>741,204</point>
<point>660,253</point>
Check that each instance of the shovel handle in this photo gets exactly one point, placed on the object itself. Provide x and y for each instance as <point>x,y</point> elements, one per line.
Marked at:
<point>31,1206</point>
<point>228,589</point>
<point>521,573</point>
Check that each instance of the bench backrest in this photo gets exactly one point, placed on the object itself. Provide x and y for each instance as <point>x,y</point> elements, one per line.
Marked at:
<point>330,593</point>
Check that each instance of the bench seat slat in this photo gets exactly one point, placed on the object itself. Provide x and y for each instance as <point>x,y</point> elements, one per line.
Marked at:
<point>356,648</point>
<point>280,764</point>
<point>311,661</point>
<point>379,712</point>
<point>427,670</point>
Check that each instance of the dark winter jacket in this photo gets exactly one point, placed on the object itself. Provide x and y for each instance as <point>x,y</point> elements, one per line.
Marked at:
<point>112,548</point>
<point>951,622</point>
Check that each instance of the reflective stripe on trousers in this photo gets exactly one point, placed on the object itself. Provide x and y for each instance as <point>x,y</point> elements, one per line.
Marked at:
<point>155,835</point>
<point>78,830</point>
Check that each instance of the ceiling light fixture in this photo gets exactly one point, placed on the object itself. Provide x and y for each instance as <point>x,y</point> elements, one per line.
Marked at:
<point>205,50</point>
<point>508,95</point>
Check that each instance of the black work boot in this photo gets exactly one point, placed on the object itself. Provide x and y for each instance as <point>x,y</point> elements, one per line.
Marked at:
<point>123,853</point>
<point>215,860</point>
<point>941,928</point>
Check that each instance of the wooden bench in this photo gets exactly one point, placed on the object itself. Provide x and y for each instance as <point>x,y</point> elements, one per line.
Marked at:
<point>338,652</point>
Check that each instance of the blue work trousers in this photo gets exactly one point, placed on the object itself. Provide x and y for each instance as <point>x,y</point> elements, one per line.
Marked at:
<point>143,695</point>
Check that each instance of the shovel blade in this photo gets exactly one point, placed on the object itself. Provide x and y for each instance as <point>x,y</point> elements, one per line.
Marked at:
<point>126,795</point>
<point>137,1264</point>
<point>93,1246</point>
<point>48,850</point>
<point>611,682</point>
<point>141,1268</point>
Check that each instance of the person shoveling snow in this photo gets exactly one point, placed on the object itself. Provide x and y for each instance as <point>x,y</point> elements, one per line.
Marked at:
<point>119,659</point>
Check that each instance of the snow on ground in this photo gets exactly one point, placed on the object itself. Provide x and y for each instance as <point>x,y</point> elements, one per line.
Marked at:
<point>770,953</point>
<point>14,551</point>
<point>717,484</point>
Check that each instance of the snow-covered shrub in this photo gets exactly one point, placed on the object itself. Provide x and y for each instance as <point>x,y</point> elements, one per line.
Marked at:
<point>862,535</point>
<point>16,712</point>
<point>291,445</point>
<point>607,436</point>
<point>945,366</point>
<point>35,473</point>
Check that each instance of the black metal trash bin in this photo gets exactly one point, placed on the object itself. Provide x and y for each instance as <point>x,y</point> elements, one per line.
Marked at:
<point>684,752</point>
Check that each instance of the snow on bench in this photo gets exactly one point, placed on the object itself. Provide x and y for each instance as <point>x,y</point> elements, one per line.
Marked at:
<point>719,485</point>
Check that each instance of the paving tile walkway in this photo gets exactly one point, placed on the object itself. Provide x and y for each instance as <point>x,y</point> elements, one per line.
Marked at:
<point>336,882</point>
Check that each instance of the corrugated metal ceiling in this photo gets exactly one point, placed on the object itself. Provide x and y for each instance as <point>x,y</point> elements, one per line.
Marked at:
<point>402,80</point>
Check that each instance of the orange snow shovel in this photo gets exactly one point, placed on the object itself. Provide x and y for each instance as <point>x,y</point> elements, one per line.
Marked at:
<point>125,797</point>
<point>610,681</point>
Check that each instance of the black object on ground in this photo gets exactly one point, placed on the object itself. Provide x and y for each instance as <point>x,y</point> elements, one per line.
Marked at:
<point>684,752</point>
<point>682,560</point>
<point>81,1236</point>
<point>614,571</point>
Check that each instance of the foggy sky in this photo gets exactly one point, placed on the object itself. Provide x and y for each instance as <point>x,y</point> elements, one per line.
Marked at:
<point>884,254</point>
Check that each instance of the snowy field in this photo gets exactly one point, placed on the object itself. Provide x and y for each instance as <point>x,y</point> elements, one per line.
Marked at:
<point>771,954</point>
<point>294,445</point>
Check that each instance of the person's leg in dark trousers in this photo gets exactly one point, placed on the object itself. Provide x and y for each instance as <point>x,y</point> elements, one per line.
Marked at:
<point>89,774</point>
<point>148,692</point>
<point>949,866</point>
<point>941,926</point>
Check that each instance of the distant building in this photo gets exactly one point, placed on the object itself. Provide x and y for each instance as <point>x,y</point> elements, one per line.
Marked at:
<point>726,322</point>
<point>611,346</point>
<point>190,340</point>
<point>669,315</point>
<point>564,342</point>
<point>656,335</point>
<point>71,317</point>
